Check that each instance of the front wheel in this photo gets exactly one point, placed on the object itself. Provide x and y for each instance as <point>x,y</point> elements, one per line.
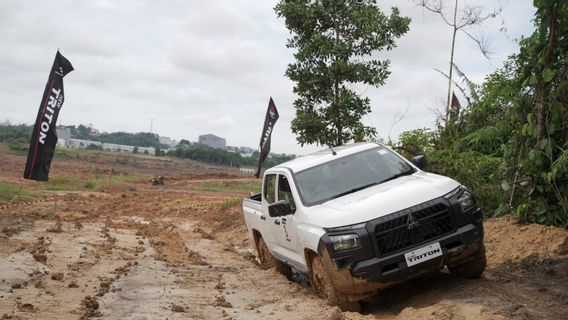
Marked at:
<point>471,269</point>
<point>324,288</point>
<point>267,261</point>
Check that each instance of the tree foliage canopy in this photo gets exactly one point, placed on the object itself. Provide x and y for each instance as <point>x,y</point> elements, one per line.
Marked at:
<point>511,145</point>
<point>203,153</point>
<point>140,139</point>
<point>334,40</point>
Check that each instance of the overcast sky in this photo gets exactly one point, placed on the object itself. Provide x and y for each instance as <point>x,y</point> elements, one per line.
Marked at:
<point>198,67</point>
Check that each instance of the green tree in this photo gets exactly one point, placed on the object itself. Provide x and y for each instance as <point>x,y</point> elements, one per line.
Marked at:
<point>334,40</point>
<point>511,145</point>
<point>538,155</point>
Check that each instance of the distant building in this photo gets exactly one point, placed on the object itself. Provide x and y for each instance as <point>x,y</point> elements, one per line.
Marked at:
<point>63,135</point>
<point>212,141</point>
<point>92,130</point>
<point>246,150</point>
<point>117,147</point>
<point>149,150</point>
<point>247,170</point>
<point>167,141</point>
<point>81,144</point>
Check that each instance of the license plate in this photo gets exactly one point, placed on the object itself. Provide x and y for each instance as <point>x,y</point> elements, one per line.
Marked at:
<point>423,254</point>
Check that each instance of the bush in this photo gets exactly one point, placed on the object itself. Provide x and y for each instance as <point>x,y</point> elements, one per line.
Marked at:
<point>479,173</point>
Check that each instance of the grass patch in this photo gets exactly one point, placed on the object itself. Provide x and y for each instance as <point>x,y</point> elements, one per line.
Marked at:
<point>63,183</point>
<point>9,191</point>
<point>230,186</point>
<point>229,203</point>
<point>19,148</point>
<point>95,183</point>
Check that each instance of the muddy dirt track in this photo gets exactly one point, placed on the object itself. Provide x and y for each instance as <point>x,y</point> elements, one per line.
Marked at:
<point>181,251</point>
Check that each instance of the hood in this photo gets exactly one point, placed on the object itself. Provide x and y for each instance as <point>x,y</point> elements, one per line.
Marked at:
<point>380,200</point>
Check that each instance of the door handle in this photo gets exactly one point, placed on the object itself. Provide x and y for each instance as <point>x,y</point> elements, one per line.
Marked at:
<point>262,218</point>
<point>276,221</point>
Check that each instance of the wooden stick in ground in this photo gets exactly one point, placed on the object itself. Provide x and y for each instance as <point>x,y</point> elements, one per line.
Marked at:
<point>21,185</point>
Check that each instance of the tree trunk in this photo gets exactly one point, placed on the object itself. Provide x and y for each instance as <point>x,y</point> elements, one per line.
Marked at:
<point>541,114</point>
<point>338,127</point>
<point>449,101</point>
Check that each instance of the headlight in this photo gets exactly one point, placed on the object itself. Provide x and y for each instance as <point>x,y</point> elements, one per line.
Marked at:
<point>465,200</point>
<point>463,197</point>
<point>344,242</point>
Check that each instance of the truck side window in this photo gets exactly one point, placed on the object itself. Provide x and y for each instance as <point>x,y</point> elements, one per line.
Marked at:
<point>284,191</point>
<point>270,188</point>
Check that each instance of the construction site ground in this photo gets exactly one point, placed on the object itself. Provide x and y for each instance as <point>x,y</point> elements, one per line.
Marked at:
<point>100,241</point>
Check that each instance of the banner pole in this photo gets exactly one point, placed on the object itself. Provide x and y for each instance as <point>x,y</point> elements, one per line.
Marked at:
<point>20,189</point>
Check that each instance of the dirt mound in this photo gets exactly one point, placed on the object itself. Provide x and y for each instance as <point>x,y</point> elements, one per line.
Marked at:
<point>506,240</point>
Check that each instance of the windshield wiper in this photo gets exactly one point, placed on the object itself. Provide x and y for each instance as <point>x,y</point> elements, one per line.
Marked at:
<point>355,189</point>
<point>398,175</point>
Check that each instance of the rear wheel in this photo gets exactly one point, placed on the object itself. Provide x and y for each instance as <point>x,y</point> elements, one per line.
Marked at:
<point>324,288</point>
<point>473,268</point>
<point>267,261</point>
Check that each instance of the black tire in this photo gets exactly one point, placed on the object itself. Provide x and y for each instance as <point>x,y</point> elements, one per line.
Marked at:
<point>267,261</point>
<point>473,268</point>
<point>324,288</point>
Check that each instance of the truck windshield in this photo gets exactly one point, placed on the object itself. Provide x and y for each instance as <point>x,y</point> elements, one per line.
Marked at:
<point>349,174</point>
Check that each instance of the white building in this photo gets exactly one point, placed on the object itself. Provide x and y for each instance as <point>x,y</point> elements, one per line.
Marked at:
<point>168,141</point>
<point>117,147</point>
<point>63,136</point>
<point>213,141</point>
<point>81,144</point>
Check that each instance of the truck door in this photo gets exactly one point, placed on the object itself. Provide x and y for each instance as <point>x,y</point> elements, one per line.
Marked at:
<point>268,227</point>
<point>285,233</point>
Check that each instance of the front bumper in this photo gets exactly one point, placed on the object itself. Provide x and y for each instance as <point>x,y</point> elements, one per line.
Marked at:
<point>456,248</point>
<point>358,275</point>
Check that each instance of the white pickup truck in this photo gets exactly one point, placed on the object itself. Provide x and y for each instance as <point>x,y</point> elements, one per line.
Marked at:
<point>360,218</point>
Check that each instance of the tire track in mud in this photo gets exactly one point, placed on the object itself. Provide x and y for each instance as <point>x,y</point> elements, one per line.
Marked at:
<point>63,268</point>
<point>203,279</point>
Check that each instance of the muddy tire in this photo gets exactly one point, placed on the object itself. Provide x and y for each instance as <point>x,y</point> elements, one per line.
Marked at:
<point>473,268</point>
<point>325,289</point>
<point>267,261</point>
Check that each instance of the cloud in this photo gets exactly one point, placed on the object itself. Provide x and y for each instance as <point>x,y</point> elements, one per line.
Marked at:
<point>219,20</point>
<point>198,67</point>
<point>235,58</point>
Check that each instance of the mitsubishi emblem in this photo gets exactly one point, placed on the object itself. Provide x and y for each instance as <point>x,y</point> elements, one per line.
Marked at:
<point>412,222</point>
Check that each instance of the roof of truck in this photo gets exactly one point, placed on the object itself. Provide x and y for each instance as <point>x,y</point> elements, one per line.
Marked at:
<point>323,156</point>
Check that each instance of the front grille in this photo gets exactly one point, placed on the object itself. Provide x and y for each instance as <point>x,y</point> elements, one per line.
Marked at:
<point>413,226</point>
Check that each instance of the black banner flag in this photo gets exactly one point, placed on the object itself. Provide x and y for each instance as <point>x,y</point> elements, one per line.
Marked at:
<point>269,121</point>
<point>44,137</point>
<point>455,103</point>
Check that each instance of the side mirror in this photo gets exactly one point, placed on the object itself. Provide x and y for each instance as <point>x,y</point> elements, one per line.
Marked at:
<point>419,161</point>
<point>280,208</point>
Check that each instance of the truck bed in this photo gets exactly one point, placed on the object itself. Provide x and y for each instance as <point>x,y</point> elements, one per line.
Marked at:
<point>253,202</point>
<point>255,198</point>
